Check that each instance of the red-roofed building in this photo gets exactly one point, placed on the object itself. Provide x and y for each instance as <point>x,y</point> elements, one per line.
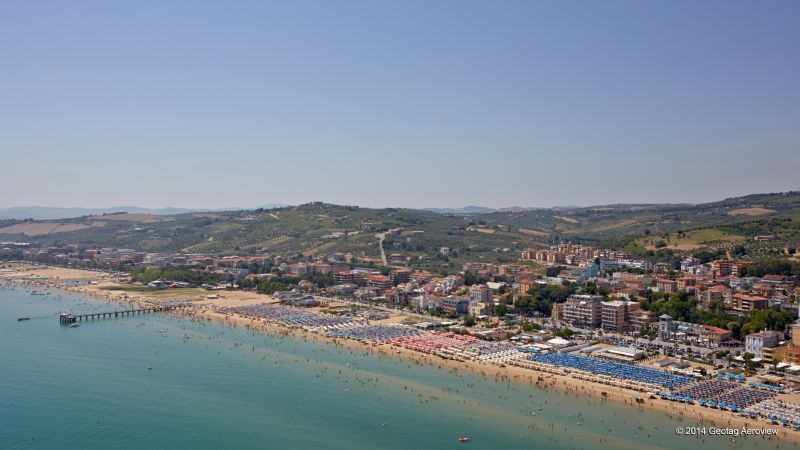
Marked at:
<point>747,303</point>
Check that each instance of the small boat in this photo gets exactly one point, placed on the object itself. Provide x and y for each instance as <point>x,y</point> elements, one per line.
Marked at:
<point>463,439</point>
<point>149,367</point>
<point>23,318</point>
<point>75,325</point>
<point>604,394</point>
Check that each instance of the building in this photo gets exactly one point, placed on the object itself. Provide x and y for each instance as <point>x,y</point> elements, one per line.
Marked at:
<point>379,281</point>
<point>671,330</point>
<point>722,268</point>
<point>526,286</point>
<point>458,305</point>
<point>757,343</point>
<point>747,303</point>
<point>347,277</point>
<point>583,310</point>
<point>642,319</point>
<point>686,284</point>
<point>717,293</point>
<point>796,335</point>
<point>480,294</point>
<point>400,276</point>
<point>557,313</point>
<point>616,315</point>
<point>666,285</point>
<point>478,308</point>
<point>714,335</point>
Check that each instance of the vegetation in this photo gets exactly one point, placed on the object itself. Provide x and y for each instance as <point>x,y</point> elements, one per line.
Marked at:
<point>681,306</point>
<point>541,298</point>
<point>770,266</point>
<point>565,333</point>
<point>314,228</point>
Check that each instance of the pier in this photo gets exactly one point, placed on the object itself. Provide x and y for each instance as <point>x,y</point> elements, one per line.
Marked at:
<point>66,318</point>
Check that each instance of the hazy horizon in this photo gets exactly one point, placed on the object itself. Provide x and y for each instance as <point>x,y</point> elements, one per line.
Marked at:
<point>403,104</point>
<point>282,204</point>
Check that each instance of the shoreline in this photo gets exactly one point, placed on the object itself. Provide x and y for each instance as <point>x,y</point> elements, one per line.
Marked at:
<point>54,278</point>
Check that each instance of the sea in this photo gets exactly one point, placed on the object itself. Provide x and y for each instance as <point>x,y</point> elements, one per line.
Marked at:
<point>161,381</point>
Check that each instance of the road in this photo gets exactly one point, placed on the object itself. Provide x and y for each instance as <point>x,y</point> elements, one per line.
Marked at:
<point>381,237</point>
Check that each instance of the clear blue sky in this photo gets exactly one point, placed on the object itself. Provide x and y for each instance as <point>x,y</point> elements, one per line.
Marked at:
<point>404,103</point>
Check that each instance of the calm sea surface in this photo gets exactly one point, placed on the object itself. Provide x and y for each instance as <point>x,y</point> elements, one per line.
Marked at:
<point>215,387</point>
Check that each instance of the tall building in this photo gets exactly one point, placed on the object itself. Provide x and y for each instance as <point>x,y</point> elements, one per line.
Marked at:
<point>616,315</point>
<point>583,310</point>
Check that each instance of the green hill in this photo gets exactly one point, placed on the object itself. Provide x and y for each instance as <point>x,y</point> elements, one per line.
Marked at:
<point>496,236</point>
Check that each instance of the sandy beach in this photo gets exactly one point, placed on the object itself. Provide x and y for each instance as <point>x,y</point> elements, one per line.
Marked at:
<point>97,284</point>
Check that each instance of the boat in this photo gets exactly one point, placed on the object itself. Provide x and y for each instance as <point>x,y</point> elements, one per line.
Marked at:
<point>463,439</point>
<point>75,325</point>
<point>23,318</point>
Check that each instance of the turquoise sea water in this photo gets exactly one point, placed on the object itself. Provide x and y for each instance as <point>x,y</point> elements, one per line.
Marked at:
<point>213,386</point>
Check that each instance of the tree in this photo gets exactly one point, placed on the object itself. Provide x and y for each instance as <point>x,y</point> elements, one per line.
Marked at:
<point>553,271</point>
<point>565,333</point>
<point>470,279</point>
<point>769,266</point>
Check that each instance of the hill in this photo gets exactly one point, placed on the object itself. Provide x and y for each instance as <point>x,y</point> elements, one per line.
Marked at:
<point>54,213</point>
<point>432,238</point>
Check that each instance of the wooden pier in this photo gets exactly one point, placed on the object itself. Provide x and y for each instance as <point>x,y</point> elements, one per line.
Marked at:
<point>65,318</point>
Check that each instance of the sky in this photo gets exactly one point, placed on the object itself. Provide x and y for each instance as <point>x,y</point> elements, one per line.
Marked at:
<point>432,103</point>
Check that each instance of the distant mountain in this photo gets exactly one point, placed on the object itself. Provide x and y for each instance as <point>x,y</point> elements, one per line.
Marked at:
<point>55,213</point>
<point>479,209</point>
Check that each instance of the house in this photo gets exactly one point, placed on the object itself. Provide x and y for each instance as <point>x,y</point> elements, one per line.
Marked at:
<point>714,335</point>
<point>760,343</point>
